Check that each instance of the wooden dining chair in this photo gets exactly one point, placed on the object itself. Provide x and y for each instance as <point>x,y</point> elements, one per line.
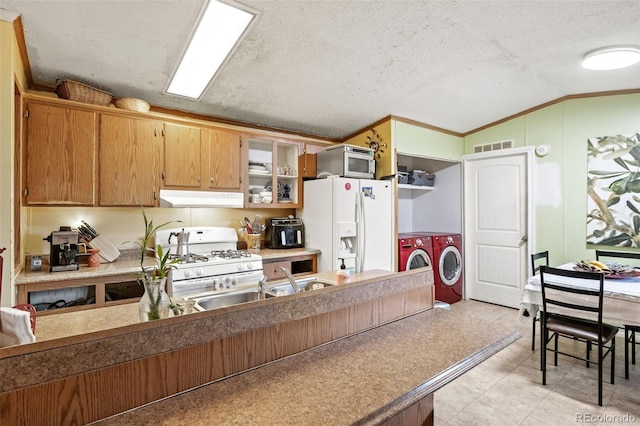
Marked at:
<point>563,317</point>
<point>629,329</point>
<point>536,262</point>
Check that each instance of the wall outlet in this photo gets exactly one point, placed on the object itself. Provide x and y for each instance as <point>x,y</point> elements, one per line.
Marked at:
<point>36,263</point>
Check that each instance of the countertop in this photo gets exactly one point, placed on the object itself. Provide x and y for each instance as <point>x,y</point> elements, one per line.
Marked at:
<point>74,323</point>
<point>119,267</point>
<point>363,379</point>
<point>131,266</point>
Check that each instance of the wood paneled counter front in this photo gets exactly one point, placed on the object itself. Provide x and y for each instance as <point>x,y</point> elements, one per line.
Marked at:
<point>88,377</point>
<point>386,375</point>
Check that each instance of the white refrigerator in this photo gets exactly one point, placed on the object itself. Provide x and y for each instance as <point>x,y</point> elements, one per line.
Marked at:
<point>350,220</point>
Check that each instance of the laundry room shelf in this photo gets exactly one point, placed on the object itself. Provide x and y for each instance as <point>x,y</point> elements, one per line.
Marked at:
<point>415,187</point>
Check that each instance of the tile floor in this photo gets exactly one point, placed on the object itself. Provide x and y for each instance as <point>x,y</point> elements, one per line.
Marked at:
<point>507,388</point>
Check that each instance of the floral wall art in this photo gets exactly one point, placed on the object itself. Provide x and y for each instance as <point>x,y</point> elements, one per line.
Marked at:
<point>613,191</point>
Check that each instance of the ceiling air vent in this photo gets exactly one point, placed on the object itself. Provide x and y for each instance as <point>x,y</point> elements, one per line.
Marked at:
<point>493,146</point>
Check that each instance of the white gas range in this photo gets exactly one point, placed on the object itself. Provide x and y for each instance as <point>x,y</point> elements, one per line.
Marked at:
<point>208,261</point>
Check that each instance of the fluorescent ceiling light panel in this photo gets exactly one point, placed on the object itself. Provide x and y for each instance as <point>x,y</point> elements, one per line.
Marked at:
<point>218,31</point>
<point>611,58</point>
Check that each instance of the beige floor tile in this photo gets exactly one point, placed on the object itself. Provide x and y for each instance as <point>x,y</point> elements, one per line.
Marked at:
<point>626,398</point>
<point>493,409</point>
<point>452,399</point>
<point>558,410</point>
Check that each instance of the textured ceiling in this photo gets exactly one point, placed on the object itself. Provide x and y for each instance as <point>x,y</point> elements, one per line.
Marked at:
<point>330,68</point>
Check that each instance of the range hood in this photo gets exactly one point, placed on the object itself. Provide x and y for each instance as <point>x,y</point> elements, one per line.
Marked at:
<point>173,198</point>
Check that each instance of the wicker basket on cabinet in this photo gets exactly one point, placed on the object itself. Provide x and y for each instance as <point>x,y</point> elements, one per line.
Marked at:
<point>132,104</point>
<point>75,91</point>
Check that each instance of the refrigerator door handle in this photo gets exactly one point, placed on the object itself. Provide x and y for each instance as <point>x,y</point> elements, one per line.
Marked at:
<point>358,232</point>
<point>363,236</point>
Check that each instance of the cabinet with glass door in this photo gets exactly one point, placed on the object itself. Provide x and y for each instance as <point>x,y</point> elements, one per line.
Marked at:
<point>273,174</point>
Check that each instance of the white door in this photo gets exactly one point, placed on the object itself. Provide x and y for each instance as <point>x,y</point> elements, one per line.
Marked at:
<point>498,224</point>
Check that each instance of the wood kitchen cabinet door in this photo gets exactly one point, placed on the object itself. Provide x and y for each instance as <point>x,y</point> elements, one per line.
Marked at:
<point>223,153</point>
<point>130,161</point>
<point>60,155</point>
<point>182,156</point>
<point>308,159</point>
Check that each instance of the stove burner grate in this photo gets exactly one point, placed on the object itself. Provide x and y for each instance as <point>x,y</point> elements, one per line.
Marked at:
<point>230,254</point>
<point>188,258</point>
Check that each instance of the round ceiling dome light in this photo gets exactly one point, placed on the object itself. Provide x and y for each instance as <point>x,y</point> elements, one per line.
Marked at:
<point>611,58</point>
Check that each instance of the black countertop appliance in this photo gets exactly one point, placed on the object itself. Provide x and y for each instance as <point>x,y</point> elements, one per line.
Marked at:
<point>63,255</point>
<point>284,232</point>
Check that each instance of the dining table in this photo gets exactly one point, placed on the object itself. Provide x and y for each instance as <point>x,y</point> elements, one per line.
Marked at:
<point>621,301</point>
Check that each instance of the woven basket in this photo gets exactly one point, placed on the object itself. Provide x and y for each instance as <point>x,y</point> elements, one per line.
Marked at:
<point>132,104</point>
<point>72,90</point>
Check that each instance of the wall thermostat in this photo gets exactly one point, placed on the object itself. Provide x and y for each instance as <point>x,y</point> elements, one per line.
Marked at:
<point>543,150</point>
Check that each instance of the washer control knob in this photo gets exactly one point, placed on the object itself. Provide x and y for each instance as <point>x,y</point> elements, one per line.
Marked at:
<point>419,242</point>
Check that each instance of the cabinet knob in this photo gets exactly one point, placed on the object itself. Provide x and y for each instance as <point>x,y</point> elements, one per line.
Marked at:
<point>198,178</point>
<point>211,179</point>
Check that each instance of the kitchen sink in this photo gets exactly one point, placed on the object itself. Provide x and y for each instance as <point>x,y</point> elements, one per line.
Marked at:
<point>304,284</point>
<point>218,301</point>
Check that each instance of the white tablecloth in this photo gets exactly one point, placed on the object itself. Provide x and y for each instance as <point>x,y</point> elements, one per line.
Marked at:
<point>621,297</point>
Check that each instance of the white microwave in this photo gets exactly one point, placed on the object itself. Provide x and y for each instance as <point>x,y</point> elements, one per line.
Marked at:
<point>346,161</point>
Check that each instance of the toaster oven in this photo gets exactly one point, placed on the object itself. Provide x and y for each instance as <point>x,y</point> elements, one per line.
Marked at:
<point>284,233</point>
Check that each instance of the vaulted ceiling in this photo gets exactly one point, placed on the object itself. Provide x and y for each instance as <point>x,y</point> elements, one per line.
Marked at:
<point>331,68</point>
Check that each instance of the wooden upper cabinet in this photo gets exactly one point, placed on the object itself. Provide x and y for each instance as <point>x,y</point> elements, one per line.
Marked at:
<point>308,159</point>
<point>223,153</point>
<point>60,155</point>
<point>201,158</point>
<point>130,161</point>
<point>182,156</point>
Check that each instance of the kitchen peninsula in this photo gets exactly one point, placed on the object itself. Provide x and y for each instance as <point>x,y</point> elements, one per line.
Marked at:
<point>365,330</point>
<point>386,375</point>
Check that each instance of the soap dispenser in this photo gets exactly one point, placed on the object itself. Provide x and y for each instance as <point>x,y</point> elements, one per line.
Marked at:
<point>343,273</point>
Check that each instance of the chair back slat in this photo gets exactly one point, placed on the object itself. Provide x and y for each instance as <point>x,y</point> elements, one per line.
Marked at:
<point>569,305</point>
<point>575,290</point>
<point>622,254</point>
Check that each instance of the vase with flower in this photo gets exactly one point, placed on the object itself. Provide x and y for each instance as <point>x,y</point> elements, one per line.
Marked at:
<point>154,303</point>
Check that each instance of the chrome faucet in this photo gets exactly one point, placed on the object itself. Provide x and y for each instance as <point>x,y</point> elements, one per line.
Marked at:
<point>293,282</point>
<point>261,285</point>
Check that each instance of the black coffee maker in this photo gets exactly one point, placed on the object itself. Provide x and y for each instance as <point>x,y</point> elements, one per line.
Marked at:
<point>63,250</point>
